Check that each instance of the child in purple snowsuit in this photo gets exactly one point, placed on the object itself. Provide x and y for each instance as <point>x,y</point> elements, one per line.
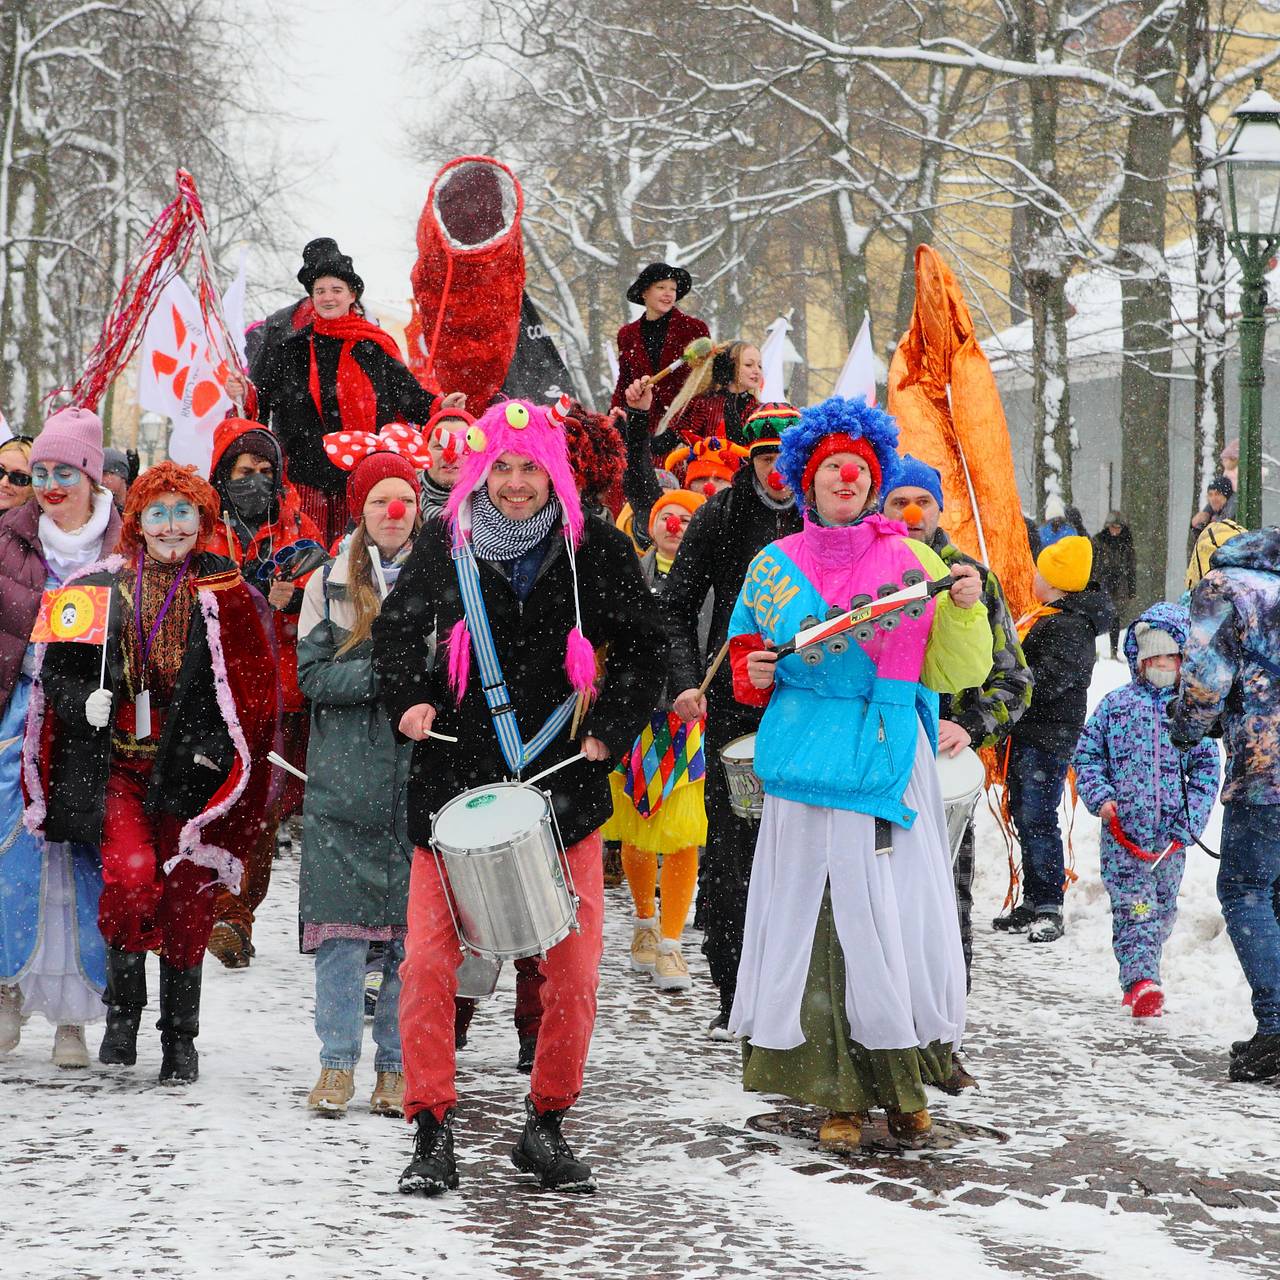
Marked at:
<point>1127,769</point>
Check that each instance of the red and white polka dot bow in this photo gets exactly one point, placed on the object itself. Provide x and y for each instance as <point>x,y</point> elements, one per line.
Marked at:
<point>345,448</point>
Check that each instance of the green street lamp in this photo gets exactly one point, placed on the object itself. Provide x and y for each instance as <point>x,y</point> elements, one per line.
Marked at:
<point>1251,160</point>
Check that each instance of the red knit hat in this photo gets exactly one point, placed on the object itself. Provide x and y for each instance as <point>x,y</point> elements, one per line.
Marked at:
<point>839,442</point>
<point>369,470</point>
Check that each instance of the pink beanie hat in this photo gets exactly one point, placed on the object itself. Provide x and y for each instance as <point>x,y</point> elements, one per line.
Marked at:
<point>74,436</point>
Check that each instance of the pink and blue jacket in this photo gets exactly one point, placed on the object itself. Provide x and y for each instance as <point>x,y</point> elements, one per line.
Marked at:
<point>842,734</point>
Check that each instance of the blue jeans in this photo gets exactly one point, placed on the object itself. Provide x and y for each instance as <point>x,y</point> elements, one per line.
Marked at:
<point>1249,891</point>
<point>1035,792</point>
<point>340,969</point>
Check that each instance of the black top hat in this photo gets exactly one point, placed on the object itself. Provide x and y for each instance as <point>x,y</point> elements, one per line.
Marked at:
<point>654,272</point>
<point>322,257</point>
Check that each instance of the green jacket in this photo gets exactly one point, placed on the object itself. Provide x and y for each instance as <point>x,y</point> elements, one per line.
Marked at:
<point>355,846</point>
<point>987,713</point>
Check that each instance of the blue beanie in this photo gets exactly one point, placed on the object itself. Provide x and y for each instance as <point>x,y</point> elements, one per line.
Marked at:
<point>912,473</point>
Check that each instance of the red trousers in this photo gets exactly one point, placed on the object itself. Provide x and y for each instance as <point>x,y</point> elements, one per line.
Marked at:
<point>429,983</point>
<point>142,908</point>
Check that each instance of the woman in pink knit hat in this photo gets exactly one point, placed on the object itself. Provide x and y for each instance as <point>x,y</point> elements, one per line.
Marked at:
<point>52,958</point>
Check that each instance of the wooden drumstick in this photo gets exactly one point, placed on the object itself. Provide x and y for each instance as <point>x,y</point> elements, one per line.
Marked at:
<point>712,669</point>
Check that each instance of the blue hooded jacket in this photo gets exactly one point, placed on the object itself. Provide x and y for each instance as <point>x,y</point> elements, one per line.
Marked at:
<point>1125,753</point>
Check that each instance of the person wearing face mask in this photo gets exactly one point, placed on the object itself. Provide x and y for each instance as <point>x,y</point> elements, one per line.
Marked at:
<point>260,519</point>
<point>51,953</point>
<point>1129,774</point>
<point>354,881</point>
<point>162,760</point>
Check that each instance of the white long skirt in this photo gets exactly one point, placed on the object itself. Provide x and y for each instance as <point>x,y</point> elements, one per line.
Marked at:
<point>895,916</point>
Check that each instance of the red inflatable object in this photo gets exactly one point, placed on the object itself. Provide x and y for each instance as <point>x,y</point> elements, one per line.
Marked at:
<point>468,280</point>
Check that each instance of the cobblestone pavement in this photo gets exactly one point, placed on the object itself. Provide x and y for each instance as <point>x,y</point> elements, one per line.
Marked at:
<point>1094,1149</point>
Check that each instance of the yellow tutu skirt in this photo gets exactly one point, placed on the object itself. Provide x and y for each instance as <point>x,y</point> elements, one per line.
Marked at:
<point>679,823</point>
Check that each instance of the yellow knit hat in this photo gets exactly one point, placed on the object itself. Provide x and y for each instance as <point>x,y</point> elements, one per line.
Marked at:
<point>1067,563</point>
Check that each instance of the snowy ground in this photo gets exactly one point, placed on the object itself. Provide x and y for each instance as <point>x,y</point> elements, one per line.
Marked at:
<point>1126,1151</point>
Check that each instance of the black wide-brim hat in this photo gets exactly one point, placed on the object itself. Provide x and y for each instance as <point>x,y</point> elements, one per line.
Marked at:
<point>654,272</point>
<point>322,257</point>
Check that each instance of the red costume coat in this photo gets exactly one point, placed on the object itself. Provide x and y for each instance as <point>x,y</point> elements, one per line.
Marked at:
<point>633,360</point>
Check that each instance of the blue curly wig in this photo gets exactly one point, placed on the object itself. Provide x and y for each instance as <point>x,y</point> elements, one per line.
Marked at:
<point>853,417</point>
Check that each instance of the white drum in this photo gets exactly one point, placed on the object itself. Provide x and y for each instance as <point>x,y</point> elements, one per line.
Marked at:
<point>961,778</point>
<point>746,794</point>
<point>507,871</point>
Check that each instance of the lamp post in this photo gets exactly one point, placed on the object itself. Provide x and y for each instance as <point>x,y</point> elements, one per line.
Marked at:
<point>1251,160</point>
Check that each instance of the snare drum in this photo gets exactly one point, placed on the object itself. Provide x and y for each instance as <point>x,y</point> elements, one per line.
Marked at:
<point>746,795</point>
<point>507,870</point>
<point>961,778</point>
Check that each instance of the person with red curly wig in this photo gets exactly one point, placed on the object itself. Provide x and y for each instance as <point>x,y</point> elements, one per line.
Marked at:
<point>158,757</point>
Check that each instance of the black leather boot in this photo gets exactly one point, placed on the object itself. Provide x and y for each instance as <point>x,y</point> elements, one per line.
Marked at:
<point>433,1169</point>
<point>179,1024</point>
<point>543,1150</point>
<point>125,998</point>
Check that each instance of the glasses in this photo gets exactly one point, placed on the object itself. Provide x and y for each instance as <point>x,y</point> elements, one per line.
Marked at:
<point>63,476</point>
<point>182,517</point>
<point>19,479</point>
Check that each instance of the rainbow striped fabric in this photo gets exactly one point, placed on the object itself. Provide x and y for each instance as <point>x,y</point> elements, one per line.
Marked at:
<point>667,754</point>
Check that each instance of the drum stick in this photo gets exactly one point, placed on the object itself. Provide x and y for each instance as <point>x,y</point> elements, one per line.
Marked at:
<point>444,737</point>
<point>281,763</point>
<point>537,777</point>
<point>712,669</point>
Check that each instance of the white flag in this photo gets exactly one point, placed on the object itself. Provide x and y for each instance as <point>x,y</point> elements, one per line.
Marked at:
<point>776,353</point>
<point>858,377</point>
<point>181,375</point>
<point>233,307</point>
<point>612,357</point>
<point>6,434</point>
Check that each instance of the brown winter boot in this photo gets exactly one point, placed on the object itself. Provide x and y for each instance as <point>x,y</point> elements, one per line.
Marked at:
<point>841,1131</point>
<point>911,1128</point>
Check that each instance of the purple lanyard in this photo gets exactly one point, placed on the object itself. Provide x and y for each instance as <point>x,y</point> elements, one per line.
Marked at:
<point>145,644</point>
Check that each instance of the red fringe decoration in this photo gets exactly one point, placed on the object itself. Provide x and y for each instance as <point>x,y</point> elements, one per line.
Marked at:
<point>166,249</point>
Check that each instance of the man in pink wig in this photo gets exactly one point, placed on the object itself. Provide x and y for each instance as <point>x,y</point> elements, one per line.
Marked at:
<point>515,563</point>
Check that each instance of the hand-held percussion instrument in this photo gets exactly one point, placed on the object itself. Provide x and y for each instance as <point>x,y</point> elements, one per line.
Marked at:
<point>961,778</point>
<point>746,794</point>
<point>509,877</point>
<point>864,617</point>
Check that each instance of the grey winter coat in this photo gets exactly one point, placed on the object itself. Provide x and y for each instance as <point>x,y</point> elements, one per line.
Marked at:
<point>355,846</point>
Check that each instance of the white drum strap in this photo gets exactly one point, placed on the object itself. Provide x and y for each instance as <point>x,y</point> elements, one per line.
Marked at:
<point>517,753</point>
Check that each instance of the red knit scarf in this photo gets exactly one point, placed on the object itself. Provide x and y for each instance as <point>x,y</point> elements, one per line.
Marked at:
<point>357,400</point>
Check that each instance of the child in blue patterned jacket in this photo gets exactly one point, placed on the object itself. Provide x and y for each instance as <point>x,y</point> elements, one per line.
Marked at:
<point>1129,773</point>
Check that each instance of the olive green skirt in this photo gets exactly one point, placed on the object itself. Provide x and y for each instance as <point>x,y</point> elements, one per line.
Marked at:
<point>830,1069</point>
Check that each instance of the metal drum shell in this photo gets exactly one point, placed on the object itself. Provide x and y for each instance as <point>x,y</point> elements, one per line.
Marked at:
<point>511,897</point>
<point>746,793</point>
<point>477,976</point>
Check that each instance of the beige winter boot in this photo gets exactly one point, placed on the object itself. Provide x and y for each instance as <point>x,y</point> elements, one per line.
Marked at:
<point>670,972</point>
<point>644,945</point>
<point>10,1018</point>
<point>388,1094</point>
<point>69,1048</point>
<point>333,1091</point>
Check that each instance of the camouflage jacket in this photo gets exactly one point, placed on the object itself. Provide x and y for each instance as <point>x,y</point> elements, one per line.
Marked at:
<point>987,714</point>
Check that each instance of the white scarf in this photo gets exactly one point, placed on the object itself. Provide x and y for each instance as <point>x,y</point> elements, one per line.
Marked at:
<point>66,552</point>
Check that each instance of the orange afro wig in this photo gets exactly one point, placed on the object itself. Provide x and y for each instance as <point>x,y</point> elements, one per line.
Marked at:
<point>168,477</point>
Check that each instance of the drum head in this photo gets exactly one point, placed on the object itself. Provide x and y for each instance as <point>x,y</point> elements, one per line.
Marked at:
<point>743,748</point>
<point>960,777</point>
<point>488,816</point>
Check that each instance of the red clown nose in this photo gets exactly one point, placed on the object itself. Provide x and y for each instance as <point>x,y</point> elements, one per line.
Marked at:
<point>848,473</point>
<point>672,524</point>
<point>774,481</point>
<point>396,509</point>
<point>709,489</point>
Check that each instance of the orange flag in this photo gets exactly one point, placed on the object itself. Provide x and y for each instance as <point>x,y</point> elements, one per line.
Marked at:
<point>73,613</point>
<point>944,397</point>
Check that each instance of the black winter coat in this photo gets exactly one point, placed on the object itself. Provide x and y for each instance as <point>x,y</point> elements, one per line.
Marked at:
<point>1060,651</point>
<point>720,542</point>
<point>282,371</point>
<point>617,610</point>
<point>1115,568</point>
<point>193,725</point>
